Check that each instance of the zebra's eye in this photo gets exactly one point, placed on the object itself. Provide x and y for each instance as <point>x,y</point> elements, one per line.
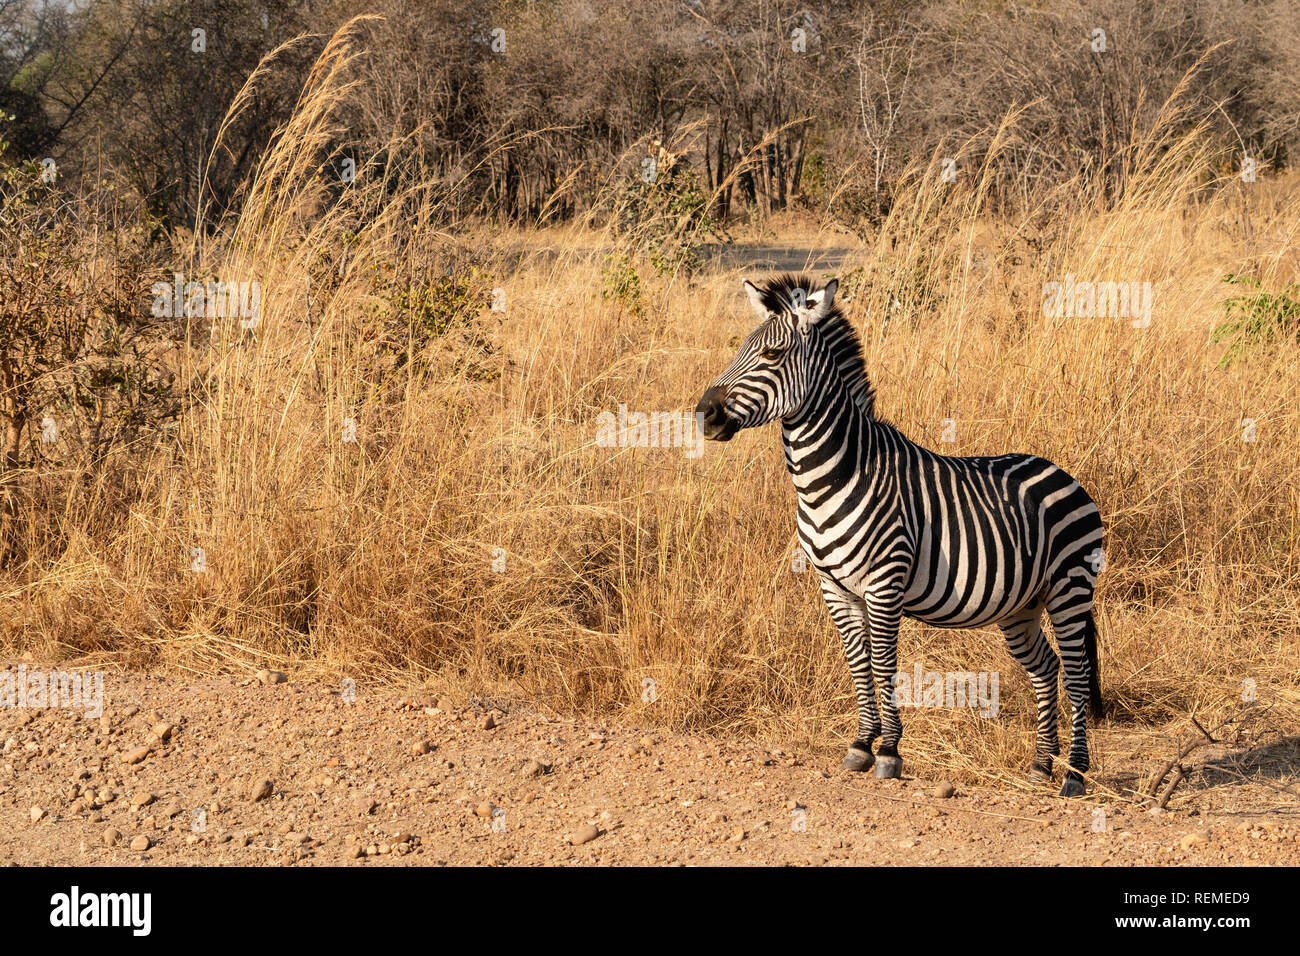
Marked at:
<point>773,354</point>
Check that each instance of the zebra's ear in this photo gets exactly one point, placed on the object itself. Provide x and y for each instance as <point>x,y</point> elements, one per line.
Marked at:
<point>823,300</point>
<point>819,306</point>
<point>755,298</point>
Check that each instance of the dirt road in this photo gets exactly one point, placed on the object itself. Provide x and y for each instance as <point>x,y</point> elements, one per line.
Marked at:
<point>260,772</point>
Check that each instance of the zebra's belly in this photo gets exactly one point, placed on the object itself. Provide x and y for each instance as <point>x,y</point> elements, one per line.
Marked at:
<point>970,586</point>
<point>966,616</point>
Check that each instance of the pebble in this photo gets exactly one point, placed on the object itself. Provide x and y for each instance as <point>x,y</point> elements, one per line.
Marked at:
<point>420,748</point>
<point>135,756</point>
<point>944,789</point>
<point>271,677</point>
<point>484,809</point>
<point>489,722</point>
<point>36,813</point>
<point>140,843</point>
<point>260,790</point>
<point>112,837</point>
<point>142,799</point>
<point>366,805</point>
<point>163,730</point>
<point>534,768</point>
<point>584,834</point>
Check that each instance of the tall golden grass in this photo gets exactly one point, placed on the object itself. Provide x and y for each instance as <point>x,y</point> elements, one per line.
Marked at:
<point>375,559</point>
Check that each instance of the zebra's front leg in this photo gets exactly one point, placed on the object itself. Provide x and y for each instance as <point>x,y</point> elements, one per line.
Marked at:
<point>849,614</point>
<point>884,610</point>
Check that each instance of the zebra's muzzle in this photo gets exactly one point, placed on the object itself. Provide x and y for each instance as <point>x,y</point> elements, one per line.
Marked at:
<point>712,411</point>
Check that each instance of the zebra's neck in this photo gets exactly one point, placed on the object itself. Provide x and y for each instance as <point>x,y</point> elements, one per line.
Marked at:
<point>829,439</point>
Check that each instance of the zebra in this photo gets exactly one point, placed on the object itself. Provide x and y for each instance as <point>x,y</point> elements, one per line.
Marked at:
<point>896,530</point>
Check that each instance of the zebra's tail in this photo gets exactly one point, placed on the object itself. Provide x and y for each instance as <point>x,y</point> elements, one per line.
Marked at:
<point>1094,666</point>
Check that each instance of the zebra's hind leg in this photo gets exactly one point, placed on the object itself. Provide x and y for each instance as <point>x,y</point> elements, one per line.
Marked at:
<point>849,614</point>
<point>1069,604</point>
<point>1029,646</point>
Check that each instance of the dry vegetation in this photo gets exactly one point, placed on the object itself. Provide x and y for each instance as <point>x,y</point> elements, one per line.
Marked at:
<point>476,431</point>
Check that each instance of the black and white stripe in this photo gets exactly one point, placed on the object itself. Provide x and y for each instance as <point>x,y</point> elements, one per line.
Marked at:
<point>896,530</point>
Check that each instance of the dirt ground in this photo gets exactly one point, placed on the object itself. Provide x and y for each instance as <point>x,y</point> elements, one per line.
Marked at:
<point>264,772</point>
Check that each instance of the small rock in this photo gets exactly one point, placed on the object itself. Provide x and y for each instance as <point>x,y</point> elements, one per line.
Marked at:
<point>484,809</point>
<point>135,756</point>
<point>112,837</point>
<point>584,834</point>
<point>130,711</point>
<point>163,730</point>
<point>366,805</point>
<point>142,799</point>
<point>36,813</point>
<point>489,722</point>
<point>534,768</point>
<point>420,748</point>
<point>944,789</point>
<point>140,843</point>
<point>260,790</point>
<point>271,677</point>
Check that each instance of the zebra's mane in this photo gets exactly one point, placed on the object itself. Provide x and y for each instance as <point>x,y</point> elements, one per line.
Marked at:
<point>836,331</point>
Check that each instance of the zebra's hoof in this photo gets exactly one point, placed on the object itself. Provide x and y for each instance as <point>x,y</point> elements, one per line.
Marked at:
<point>1073,787</point>
<point>889,768</point>
<point>858,760</point>
<point>1040,774</point>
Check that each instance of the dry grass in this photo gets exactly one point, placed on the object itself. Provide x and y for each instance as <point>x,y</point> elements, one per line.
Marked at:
<point>374,559</point>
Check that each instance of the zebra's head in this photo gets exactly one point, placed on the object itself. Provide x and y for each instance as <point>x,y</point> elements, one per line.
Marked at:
<point>768,378</point>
